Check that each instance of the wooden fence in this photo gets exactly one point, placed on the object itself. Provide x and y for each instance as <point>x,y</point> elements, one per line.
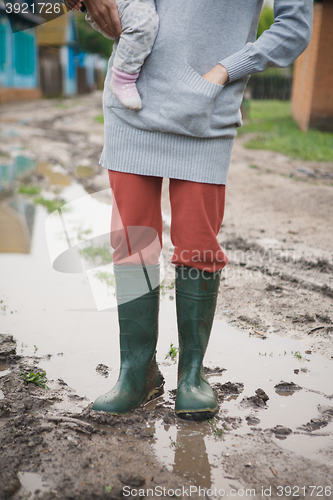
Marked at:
<point>270,87</point>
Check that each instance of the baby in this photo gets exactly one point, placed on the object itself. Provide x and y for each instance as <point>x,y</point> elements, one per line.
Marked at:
<point>140,22</point>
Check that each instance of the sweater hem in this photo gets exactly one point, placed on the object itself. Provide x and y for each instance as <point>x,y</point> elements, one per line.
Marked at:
<point>160,154</point>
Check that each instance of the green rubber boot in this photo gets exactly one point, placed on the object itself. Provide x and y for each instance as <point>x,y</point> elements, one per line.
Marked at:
<point>138,305</point>
<point>196,295</point>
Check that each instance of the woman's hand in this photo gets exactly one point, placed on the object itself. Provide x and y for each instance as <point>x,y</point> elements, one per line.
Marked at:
<point>218,75</point>
<point>73,4</point>
<point>105,14</point>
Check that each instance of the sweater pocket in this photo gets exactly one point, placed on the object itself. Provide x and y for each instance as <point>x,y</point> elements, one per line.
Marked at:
<point>190,102</point>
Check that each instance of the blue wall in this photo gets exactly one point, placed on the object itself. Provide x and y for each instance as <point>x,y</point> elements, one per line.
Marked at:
<point>69,59</point>
<point>68,63</point>
<point>18,57</point>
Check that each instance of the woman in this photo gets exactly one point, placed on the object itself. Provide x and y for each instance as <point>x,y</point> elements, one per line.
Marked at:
<point>191,87</point>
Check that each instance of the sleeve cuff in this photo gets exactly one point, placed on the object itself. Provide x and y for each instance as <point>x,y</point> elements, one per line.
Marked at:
<point>240,64</point>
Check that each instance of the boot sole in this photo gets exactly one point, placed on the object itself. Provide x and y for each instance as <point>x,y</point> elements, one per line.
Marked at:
<point>197,415</point>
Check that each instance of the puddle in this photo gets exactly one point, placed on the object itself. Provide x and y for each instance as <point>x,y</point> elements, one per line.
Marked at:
<point>15,168</point>
<point>55,174</point>
<point>256,363</point>
<point>16,223</point>
<point>4,373</point>
<point>188,449</point>
<point>68,315</point>
<point>84,171</point>
<point>33,484</point>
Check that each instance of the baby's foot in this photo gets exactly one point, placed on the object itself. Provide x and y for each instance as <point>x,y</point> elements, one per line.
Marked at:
<point>124,88</point>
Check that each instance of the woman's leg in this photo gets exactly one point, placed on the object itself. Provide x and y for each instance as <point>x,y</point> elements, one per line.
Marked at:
<point>197,211</point>
<point>197,214</point>
<point>136,224</point>
<point>136,234</point>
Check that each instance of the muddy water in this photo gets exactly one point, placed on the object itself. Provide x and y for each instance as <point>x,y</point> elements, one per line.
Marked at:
<point>3,371</point>
<point>257,364</point>
<point>31,482</point>
<point>67,315</point>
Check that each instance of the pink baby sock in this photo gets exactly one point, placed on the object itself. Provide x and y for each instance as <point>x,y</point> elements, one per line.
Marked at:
<point>124,88</point>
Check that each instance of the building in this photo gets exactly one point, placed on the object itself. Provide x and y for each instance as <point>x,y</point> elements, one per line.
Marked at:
<point>312,92</point>
<point>18,57</point>
<point>40,55</point>
<point>91,72</point>
<point>58,44</point>
<point>63,68</point>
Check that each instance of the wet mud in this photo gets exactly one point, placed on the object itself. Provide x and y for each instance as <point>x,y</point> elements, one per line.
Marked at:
<point>272,373</point>
<point>53,453</point>
<point>55,446</point>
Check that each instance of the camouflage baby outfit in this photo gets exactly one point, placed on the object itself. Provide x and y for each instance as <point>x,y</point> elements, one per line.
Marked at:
<point>139,21</point>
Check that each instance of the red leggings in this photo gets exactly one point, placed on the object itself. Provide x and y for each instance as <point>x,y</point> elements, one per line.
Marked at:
<point>196,217</point>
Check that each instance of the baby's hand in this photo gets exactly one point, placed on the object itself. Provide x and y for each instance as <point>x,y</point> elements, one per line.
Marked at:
<point>73,4</point>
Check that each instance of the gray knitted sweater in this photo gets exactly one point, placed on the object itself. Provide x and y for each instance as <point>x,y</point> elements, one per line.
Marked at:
<point>187,125</point>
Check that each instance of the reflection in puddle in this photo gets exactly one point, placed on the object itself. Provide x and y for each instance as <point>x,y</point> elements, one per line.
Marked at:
<point>194,466</point>
<point>32,482</point>
<point>11,169</point>
<point>16,224</point>
<point>178,446</point>
<point>57,313</point>
<point>4,373</point>
<point>189,450</point>
<point>17,212</point>
<point>55,174</point>
<point>84,171</point>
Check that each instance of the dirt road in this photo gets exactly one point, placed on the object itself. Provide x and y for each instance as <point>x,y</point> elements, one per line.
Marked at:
<point>278,235</point>
<point>277,232</point>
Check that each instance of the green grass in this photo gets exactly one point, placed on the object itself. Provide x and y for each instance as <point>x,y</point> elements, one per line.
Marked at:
<point>82,233</point>
<point>99,255</point>
<point>99,118</point>
<point>172,353</point>
<point>217,431</point>
<point>30,189</point>
<point>107,278</point>
<point>50,205</point>
<point>275,130</point>
<point>38,378</point>
<point>165,287</point>
<point>70,104</point>
<point>61,106</point>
